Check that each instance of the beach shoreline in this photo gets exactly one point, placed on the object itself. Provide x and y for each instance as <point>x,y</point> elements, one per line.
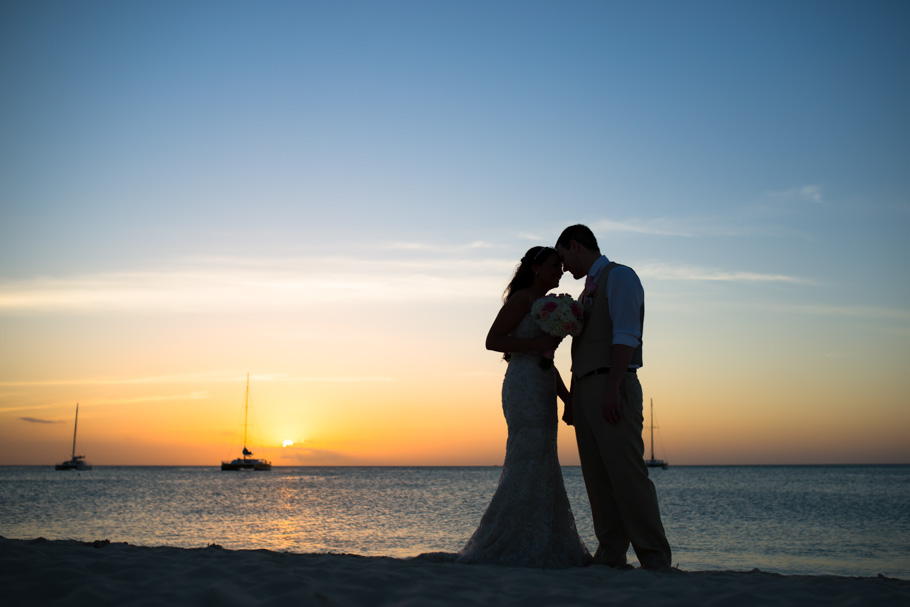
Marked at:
<point>69,572</point>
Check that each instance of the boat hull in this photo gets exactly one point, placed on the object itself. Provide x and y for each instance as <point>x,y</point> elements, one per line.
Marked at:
<point>247,464</point>
<point>656,463</point>
<point>73,464</point>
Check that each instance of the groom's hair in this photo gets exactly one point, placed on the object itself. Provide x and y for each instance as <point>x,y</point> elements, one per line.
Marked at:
<point>580,234</point>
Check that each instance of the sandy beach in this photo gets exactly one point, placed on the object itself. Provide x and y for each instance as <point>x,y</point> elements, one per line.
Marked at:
<point>43,572</point>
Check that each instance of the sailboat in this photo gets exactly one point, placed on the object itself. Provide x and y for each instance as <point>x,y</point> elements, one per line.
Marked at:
<point>654,463</point>
<point>247,462</point>
<point>76,462</point>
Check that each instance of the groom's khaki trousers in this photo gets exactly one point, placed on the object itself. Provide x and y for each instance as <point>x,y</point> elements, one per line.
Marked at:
<point>623,499</point>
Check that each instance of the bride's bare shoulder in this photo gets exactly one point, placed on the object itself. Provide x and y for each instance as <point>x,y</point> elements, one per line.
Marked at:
<point>520,300</point>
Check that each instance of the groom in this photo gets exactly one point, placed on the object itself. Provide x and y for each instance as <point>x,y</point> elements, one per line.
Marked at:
<point>607,406</point>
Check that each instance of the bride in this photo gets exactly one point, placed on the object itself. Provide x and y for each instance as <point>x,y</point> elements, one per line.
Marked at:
<point>529,522</point>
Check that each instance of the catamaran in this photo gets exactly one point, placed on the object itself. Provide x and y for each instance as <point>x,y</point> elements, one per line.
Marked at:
<point>247,462</point>
<point>76,462</point>
<point>654,463</point>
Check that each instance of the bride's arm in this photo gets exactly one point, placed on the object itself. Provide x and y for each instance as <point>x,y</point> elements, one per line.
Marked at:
<point>498,338</point>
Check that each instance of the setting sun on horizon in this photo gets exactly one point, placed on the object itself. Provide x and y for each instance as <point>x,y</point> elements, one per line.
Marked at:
<point>332,198</point>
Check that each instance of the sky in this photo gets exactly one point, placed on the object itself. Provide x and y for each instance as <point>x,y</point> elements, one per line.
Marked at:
<point>332,196</point>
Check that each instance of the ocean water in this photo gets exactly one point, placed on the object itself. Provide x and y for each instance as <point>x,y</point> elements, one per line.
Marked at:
<point>814,520</point>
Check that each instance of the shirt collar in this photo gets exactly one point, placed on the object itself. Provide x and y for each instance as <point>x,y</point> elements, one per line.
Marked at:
<point>598,266</point>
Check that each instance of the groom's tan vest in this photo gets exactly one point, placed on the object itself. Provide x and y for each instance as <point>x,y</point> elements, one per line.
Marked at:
<point>591,349</point>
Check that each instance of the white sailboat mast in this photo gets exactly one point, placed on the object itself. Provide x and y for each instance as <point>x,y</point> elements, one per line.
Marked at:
<point>652,428</point>
<point>246,407</point>
<point>75,426</point>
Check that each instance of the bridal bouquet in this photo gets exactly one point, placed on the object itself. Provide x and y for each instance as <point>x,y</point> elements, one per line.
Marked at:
<point>557,315</point>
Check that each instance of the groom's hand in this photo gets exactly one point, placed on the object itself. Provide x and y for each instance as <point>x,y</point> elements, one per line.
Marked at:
<point>567,413</point>
<point>611,405</point>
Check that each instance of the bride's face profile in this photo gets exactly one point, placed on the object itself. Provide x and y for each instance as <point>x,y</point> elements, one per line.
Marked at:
<point>549,272</point>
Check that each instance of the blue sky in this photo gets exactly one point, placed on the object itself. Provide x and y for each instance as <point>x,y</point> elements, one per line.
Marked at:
<point>749,159</point>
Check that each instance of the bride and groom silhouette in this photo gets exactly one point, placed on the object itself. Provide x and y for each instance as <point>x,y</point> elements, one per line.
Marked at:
<point>529,521</point>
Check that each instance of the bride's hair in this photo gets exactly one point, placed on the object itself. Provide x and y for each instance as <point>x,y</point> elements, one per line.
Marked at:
<point>524,273</point>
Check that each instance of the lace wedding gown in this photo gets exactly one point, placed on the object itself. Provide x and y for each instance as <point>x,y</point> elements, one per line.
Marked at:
<point>529,522</point>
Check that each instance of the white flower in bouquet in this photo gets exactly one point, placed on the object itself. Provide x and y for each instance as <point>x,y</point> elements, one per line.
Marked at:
<point>558,315</point>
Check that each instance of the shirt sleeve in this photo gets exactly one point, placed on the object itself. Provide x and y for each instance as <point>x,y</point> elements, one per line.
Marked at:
<point>626,296</point>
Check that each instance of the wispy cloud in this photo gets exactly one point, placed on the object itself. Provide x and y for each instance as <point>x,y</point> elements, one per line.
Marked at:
<point>413,246</point>
<point>725,226</point>
<point>440,247</point>
<point>226,285</point>
<point>868,312</point>
<point>661,271</point>
<point>96,402</point>
<point>210,377</point>
<point>761,217</point>
<point>198,395</point>
<point>217,285</point>
<point>339,380</point>
<point>654,227</point>
<point>811,193</point>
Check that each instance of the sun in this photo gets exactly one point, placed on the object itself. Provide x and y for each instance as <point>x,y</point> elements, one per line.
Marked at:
<point>287,443</point>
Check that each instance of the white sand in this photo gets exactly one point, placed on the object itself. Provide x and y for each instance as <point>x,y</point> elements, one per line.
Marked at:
<point>41,572</point>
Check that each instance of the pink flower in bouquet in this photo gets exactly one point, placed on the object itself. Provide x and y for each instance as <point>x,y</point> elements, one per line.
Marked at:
<point>547,308</point>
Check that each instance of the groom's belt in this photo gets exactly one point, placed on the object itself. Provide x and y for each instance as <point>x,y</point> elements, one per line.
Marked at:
<point>604,370</point>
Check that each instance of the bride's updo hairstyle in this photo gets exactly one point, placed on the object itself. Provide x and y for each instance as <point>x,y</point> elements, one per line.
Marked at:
<point>524,273</point>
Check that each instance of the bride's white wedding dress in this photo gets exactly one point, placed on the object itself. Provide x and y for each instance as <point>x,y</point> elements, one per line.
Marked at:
<point>529,522</point>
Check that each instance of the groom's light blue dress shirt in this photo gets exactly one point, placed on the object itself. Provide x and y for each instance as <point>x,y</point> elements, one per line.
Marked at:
<point>626,297</point>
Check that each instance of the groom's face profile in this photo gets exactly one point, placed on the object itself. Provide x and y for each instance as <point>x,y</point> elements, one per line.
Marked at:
<point>569,257</point>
